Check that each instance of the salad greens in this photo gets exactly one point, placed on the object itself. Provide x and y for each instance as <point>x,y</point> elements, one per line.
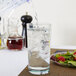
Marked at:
<point>68,58</point>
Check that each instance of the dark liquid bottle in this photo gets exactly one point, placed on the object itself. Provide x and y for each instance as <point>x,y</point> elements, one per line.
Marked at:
<point>15,43</point>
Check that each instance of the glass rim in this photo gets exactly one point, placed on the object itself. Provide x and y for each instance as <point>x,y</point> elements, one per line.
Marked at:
<point>38,26</point>
<point>40,23</point>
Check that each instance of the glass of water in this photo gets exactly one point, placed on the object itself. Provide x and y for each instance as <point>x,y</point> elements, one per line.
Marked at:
<point>39,48</point>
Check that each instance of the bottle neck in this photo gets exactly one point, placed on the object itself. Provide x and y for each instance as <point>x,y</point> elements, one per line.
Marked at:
<point>13,33</point>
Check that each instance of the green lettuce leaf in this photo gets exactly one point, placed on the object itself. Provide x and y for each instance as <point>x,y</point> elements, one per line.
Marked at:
<point>72,62</point>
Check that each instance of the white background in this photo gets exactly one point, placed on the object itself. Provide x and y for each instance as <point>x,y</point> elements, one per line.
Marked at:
<point>62,15</point>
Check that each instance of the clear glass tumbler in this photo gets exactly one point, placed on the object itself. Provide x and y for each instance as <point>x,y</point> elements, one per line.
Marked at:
<point>39,48</point>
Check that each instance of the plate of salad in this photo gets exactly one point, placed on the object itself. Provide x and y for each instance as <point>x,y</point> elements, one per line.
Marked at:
<point>64,58</point>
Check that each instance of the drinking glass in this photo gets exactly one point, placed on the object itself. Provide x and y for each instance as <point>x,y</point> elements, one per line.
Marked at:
<point>39,48</point>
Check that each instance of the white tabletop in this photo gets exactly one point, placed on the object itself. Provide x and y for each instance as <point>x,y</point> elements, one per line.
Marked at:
<point>13,62</point>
